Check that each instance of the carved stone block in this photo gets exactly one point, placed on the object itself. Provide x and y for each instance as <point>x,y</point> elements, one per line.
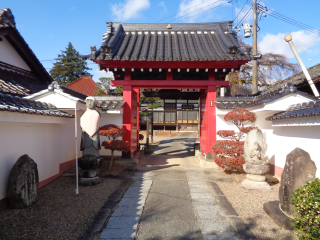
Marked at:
<point>298,169</point>
<point>23,183</point>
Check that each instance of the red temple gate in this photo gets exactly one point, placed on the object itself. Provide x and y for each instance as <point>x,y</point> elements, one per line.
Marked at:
<point>180,56</point>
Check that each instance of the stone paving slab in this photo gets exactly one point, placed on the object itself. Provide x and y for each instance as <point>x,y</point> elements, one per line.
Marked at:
<point>127,211</point>
<point>199,189</point>
<point>125,219</point>
<point>123,233</point>
<point>204,201</point>
<point>132,202</point>
<point>201,195</point>
<point>170,229</point>
<point>142,189</point>
<point>219,237</point>
<point>216,228</point>
<point>124,222</point>
<point>196,183</point>
<point>211,216</point>
<point>132,194</point>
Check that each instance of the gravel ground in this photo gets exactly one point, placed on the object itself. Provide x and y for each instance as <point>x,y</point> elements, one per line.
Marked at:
<point>58,212</point>
<point>249,206</point>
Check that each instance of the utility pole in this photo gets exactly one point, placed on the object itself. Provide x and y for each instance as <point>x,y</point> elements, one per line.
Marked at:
<point>254,49</point>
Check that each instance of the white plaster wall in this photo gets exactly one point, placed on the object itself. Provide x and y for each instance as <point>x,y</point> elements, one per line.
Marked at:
<point>48,144</point>
<point>281,140</point>
<point>59,100</point>
<point>10,55</point>
<point>107,118</point>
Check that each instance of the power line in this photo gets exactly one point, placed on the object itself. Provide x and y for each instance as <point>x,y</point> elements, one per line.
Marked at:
<point>240,11</point>
<point>244,16</point>
<point>203,11</point>
<point>289,20</point>
<point>186,10</point>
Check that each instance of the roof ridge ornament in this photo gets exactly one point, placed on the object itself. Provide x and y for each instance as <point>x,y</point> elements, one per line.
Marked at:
<point>7,18</point>
<point>54,85</point>
<point>169,26</point>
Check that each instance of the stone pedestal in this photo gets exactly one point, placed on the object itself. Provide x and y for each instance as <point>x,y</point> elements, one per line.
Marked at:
<point>89,173</point>
<point>256,179</point>
<point>281,219</point>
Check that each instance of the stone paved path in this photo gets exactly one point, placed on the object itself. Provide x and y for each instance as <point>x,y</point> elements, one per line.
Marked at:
<point>169,199</point>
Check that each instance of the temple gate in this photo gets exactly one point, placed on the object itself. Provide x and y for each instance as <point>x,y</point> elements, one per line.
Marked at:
<point>170,56</point>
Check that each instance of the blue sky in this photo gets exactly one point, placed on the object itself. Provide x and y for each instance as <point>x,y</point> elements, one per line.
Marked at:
<point>48,26</point>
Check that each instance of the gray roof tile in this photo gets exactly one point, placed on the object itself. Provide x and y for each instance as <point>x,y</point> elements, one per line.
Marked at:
<point>154,42</point>
<point>22,105</point>
<point>296,79</point>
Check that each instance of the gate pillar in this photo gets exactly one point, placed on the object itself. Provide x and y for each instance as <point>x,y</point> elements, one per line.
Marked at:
<point>207,119</point>
<point>137,91</point>
<point>130,120</point>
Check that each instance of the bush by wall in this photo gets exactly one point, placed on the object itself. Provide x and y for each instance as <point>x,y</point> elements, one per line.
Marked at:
<point>306,201</point>
<point>229,152</point>
<point>112,132</point>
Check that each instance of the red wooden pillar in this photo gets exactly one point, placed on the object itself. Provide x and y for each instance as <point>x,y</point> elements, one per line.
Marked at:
<point>211,118</point>
<point>138,97</point>
<point>208,115</point>
<point>203,120</point>
<point>130,117</point>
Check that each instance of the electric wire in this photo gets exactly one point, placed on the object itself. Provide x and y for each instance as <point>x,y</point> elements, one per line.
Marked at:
<point>185,15</point>
<point>247,14</point>
<point>238,15</point>
<point>185,10</point>
<point>289,20</point>
<point>202,12</point>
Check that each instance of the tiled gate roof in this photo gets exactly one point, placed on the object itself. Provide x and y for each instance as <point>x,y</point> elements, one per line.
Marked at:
<point>159,42</point>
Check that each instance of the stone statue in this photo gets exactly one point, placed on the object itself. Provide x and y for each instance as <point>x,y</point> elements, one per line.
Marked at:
<point>255,155</point>
<point>255,167</point>
<point>90,145</point>
<point>90,124</point>
<point>93,52</point>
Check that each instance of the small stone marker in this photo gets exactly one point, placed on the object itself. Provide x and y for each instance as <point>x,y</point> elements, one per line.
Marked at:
<point>209,156</point>
<point>299,169</point>
<point>23,183</point>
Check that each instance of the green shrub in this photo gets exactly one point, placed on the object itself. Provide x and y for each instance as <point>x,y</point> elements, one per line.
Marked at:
<point>306,201</point>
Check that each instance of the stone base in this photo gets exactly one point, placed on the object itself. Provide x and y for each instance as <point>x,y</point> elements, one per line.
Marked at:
<point>90,162</point>
<point>263,186</point>
<point>256,169</point>
<point>256,178</point>
<point>90,173</point>
<point>89,181</point>
<point>208,164</point>
<point>279,217</point>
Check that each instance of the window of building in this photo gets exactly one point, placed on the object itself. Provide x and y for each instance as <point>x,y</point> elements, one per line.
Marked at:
<point>169,106</point>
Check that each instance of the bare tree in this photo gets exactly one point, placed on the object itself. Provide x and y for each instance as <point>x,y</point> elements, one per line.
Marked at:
<point>272,67</point>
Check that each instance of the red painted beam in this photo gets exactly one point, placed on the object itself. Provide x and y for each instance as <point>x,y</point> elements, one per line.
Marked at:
<point>163,84</point>
<point>170,64</point>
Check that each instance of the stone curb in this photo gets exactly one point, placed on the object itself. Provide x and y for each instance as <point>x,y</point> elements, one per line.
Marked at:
<point>105,211</point>
<point>231,214</point>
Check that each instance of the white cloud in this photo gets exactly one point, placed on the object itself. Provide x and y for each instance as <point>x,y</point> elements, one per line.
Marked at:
<point>303,41</point>
<point>163,5</point>
<point>129,10</point>
<point>192,10</point>
<point>98,74</point>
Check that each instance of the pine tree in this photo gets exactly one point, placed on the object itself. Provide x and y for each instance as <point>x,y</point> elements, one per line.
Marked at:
<point>69,66</point>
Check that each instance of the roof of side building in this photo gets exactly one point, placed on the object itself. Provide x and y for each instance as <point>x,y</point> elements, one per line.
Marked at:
<point>84,85</point>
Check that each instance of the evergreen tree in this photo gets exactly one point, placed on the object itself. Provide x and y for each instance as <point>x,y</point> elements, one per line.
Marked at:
<point>69,66</point>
